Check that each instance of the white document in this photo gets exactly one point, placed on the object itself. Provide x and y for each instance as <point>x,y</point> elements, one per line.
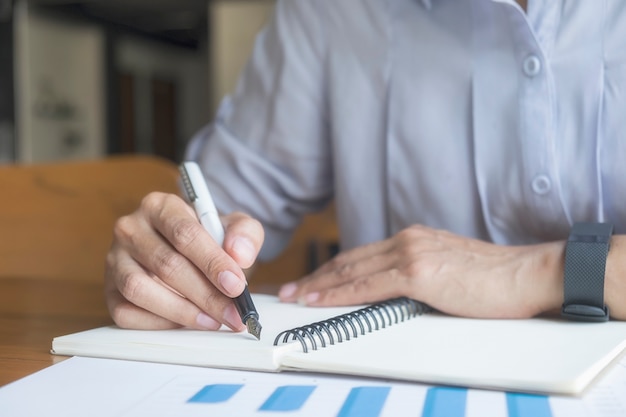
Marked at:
<point>535,355</point>
<point>80,387</point>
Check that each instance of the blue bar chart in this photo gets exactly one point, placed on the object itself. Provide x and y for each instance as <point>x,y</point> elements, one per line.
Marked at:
<point>363,401</point>
<point>252,394</point>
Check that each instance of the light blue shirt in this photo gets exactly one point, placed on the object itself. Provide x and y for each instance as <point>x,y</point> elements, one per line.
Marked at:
<point>469,116</point>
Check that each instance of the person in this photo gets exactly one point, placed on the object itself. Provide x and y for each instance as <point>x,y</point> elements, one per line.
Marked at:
<point>458,140</point>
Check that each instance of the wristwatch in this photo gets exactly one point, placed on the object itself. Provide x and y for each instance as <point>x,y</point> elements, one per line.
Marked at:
<point>585,261</point>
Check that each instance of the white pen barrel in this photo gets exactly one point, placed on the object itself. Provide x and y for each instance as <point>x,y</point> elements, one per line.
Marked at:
<point>212,223</point>
<point>203,202</point>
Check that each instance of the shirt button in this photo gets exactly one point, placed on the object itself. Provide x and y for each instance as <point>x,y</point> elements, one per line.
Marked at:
<point>541,184</point>
<point>532,65</point>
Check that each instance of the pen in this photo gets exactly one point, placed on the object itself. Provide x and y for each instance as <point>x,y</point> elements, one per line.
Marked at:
<point>198,194</point>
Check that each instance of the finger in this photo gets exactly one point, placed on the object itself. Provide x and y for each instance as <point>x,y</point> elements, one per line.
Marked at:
<point>124,313</point>
<point>357,254</point>
<point>171,217</point>
<point>179,274</point>
<point>376,257</point>
<point>342,269</point>
<point>129,316</point>
<point>243,238</point>
<point>363,290</point>
<point>139,289</point>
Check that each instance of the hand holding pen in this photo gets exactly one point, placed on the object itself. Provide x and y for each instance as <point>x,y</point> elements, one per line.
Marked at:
<point>198,194</point>
<point>164,270</point>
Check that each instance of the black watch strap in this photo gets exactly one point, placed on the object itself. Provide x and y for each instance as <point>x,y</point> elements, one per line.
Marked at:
<point>585,261</point>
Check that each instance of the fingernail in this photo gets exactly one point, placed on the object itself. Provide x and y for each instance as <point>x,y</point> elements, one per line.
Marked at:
<point>287,291</point>
<point>232,284</point>
<point>244,249</point>
<point>232,318</point>
<point>207,322</point>
<point>309,298</point>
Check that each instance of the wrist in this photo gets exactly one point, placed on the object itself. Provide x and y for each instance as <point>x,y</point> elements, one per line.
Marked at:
<point>614,284</point>
<point>545,278</point>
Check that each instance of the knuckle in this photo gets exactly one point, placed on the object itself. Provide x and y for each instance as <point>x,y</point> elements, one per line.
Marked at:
<point>410,232</point>
<point>209,302</point>
<point>419,267</point>
<point>345,271</point>
<point>418,275</point>
<point>132,286</point>
<point>410,237</point>
<point>153,201</point>
<point>411,252</point>
<point>337,268</point>
<point>184,232</point>
<point>168,263</point>
<point>124,228</point>
<point>213,265</point>
<point>364,286</point>
<point>337,262</point>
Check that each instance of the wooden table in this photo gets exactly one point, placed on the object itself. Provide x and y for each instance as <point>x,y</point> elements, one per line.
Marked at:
<point>33,311</point>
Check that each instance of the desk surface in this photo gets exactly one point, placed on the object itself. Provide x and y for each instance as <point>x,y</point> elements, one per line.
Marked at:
<point>33,311</point>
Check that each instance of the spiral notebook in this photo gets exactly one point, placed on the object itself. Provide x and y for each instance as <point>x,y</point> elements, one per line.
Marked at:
<point>398,339</point>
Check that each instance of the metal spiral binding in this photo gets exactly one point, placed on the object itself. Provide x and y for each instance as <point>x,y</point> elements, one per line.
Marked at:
<point>359,322</point>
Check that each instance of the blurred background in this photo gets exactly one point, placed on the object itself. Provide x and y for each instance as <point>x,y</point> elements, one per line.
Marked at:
<point>85,79</point>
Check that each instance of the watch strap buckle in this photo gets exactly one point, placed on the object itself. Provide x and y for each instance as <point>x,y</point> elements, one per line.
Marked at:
<point>584,312</point>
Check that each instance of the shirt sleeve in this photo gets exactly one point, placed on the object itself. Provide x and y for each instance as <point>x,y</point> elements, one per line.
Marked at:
<point>267,153</point>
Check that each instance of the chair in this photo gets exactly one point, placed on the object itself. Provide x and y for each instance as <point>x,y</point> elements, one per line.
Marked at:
<point>56,219</point>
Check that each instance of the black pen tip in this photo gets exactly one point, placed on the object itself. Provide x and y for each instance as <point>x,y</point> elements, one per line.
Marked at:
<point>254,327</point>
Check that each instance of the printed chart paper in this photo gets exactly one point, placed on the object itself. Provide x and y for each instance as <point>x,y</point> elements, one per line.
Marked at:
<point>114,388</point>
